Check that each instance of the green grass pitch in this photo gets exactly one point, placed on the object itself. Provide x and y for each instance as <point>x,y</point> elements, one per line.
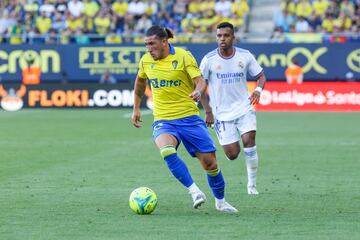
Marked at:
<point>67,174</point>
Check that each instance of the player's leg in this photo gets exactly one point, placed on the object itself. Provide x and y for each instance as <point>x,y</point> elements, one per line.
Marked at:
<point>198,142</point>
<point>232,150</point>
<point>167,142</point>
<point>228,137</point>
<point>247,128</point>
<point>216,180</point>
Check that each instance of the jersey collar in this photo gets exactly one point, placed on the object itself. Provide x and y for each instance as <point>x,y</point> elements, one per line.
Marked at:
<point>233,53</point>
<point>172,49</point>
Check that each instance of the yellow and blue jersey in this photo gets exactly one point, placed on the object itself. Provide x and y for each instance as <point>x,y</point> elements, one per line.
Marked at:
<point>171,81</point>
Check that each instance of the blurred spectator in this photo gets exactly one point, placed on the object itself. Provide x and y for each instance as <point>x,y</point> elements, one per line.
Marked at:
<point>303,9</point>
<point>129,27</point>
<point>51,37</point>
<point>172,24</point>
<point>207,6</point>
<point>143,24</point>
<point>136,8</point>
<point>347,7</point>
<point>80,37</point>
<point>179,10</point>
<point>333,8</point>
<point>241,8</point>
<point>14,8</point>
<point>302,25</point>
<point>315,22</point>
<point>31,6</point>
<point>5,22</point>
<point>91,8</point>
<point>194,7</point>
<point>152,7</point>
<point>107,78</point>
<point>102,22</point>
<point>73,23</point>
<point>61,6</point>
<point>320,7</point>
<point>333,17</point>
<point>131,17</point>
<point>48,8</point>
<point>127,17</point>
<point>113,38</point>
<point>75,7</point>
<point>289,6</point>
<point>15,32</point>
<point>31,73</point>
<point>284,20</point>
<point>294,73</point>
<point>223,8</point>
<point>355,34</point>
<point>208,21</point>
<point>278,35</point>
<point>43,23</point>
<point>58,23</point>
<point>120,8</point>
<point>328,23</point>
<point>235,20</point>
<point>343,22</point>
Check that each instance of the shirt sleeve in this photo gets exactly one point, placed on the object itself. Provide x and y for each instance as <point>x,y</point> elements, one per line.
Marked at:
<point>254,68</point>
<point>141,72</point>
<point>191,65</point>
<point>204,68</point>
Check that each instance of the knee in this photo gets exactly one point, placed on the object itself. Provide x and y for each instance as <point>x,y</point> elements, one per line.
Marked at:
<point>249,142</point>
<point>232,155</point>
<point>210,164</point>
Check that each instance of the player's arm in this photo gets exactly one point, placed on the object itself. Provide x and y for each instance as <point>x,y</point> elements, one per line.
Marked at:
<point>200,86</point>
<point>139,90</point>
<point>255,96</point>
<point>209,117</point>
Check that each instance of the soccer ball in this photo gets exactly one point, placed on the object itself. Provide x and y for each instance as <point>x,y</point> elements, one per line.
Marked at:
<point>143,200</point>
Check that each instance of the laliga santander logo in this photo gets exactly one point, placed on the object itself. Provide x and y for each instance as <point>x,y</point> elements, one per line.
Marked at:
<point>11,99</point>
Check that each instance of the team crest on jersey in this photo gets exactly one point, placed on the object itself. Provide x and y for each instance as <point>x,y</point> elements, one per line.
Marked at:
<point>175,63</point>
<point>218,67</point>
<point>152,66</point>
<point>240,64</point>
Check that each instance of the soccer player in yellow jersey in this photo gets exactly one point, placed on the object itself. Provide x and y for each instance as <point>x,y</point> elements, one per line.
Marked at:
<point>177,85</point>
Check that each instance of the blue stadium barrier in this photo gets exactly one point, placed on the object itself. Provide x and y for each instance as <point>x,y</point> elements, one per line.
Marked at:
<point>79,63</point>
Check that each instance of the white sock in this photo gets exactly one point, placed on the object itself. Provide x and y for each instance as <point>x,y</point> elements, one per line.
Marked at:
<point>251,159</point>
<point>219,201</point>
<point>193,188</point>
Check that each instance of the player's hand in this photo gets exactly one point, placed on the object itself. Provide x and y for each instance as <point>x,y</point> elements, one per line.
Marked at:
<point>255,97</point>
<point>209,119</point>
<point>136,118</point>
<point>195,95</point>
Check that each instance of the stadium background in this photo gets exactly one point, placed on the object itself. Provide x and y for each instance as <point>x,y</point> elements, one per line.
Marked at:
<point>76,42</point>
<point>67,174</point>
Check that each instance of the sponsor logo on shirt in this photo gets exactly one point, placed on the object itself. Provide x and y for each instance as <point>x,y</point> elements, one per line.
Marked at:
<point>155,83</point>
<point>230,78</point>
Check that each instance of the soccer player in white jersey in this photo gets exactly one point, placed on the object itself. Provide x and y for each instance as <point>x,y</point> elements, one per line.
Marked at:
<point>231,105</point>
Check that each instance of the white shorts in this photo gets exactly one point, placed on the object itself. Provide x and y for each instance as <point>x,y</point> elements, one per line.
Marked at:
<point>230,131</point>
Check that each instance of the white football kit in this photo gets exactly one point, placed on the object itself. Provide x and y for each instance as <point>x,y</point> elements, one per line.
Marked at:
<point>229,96</point>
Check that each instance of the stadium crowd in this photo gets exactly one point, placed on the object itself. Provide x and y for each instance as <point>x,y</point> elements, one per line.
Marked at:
<point>336,20</point>
<point>113,21</point>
